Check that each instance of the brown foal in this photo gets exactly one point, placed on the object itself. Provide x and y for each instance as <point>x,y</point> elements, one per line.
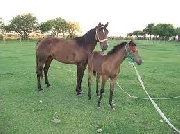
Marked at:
<point>108,66</point>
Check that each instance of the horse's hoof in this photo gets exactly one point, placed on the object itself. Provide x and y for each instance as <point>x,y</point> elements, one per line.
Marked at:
<point>49,86</point>
<point>41,90</point>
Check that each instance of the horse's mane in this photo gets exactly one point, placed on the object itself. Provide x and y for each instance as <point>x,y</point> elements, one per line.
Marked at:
<point>116,48</point>
<point>87,38</point>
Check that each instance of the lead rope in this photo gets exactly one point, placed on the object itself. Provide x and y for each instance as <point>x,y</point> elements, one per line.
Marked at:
<point>152,101</point>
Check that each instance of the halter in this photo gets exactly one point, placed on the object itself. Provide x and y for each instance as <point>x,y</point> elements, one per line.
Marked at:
<point>130,56</point>
<point>97,37</point>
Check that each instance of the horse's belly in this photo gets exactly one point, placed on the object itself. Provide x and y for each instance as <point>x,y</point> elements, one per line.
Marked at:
<point>69,58</point>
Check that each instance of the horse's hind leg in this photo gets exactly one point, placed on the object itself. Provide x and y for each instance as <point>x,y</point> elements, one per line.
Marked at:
<point>97,84</point>
<point>46,68</point>
<point>39,74</point>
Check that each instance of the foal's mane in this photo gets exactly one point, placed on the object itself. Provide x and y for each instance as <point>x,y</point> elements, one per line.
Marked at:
<point>116,48</point>
<point>87,38</point>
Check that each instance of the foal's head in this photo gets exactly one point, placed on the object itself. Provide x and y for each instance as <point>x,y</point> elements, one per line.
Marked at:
<point>101,35</point>
<point>132,52</point>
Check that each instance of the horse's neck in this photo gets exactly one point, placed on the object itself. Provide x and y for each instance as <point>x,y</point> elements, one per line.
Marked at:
<point>90,47</point>
<point>90,40</point>
<point>118,57</point>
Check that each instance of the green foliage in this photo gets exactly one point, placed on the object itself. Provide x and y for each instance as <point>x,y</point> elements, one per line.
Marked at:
<point>177,30</point>
<point>24,110</point>
<point>149,29</point>
<point>165,30</point>
<point>1,25</point>
<point>60,26</point>
<point>24,24</point>
<point>46,26</point>
<point>138,32</point>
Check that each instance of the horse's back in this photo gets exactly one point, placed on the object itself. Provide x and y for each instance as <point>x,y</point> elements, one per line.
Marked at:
<point>62,50</point>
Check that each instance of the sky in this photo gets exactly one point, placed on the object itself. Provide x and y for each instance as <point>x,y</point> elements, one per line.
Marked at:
<point>124,16</point>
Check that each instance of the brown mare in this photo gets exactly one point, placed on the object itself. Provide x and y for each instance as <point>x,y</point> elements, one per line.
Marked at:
<point>108,66</point>
<point>73,51</point>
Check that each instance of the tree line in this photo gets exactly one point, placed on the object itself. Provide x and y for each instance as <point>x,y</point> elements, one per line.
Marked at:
<point>159,31</point>
<point>27,23</point>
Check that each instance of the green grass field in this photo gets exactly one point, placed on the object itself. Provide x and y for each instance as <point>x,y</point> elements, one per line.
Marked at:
<point>24,110</point>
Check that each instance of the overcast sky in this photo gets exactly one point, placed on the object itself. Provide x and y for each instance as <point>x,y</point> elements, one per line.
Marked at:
<point>124,16</point>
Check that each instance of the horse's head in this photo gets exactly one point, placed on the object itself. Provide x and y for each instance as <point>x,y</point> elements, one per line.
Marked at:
<point>101,35</point>
<point>132,52</point>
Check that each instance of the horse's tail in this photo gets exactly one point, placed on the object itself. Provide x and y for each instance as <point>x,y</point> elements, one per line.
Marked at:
<point>37,63</point>
<point>38,42</point>
<point>94,72</point>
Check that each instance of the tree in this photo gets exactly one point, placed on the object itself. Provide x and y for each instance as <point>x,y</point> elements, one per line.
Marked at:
<point>165,30</point>
<point>149,29</point>
<point>60,26</point>
<point>1,25</point>
<point>46,26</point>
<point>177,31</point>
<point>73,29</point>
<point>24,24</point>
<point>137,33</point>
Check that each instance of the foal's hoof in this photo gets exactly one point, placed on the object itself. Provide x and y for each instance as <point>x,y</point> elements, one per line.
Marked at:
<point>79,94</point>
<point>113,108</point>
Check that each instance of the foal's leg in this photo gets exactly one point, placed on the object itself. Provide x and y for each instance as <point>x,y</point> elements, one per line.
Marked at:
<point>97,84</point>
<point>112,83</point>
<point>104,79</point>
<point>46,68</point>
<point>80,73</point>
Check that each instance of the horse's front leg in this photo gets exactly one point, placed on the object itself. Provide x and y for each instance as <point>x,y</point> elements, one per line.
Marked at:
<point>89,83</point>
<point>80,73</point>
<point>112,83</point>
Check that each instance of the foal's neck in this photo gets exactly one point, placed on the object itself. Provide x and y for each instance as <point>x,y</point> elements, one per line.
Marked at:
<point>118,57</point>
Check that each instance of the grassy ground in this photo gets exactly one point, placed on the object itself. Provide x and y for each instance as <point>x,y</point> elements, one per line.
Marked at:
<point>24,110</point>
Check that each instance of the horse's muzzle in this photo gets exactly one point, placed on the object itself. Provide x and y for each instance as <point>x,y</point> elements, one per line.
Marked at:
<point>104,46</point>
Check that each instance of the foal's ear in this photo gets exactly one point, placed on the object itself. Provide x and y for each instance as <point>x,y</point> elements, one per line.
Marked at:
<point>106,24</point>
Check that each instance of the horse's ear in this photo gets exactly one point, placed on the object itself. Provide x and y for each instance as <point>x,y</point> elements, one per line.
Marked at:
<point>99,25</point>
<point>106,24</point>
